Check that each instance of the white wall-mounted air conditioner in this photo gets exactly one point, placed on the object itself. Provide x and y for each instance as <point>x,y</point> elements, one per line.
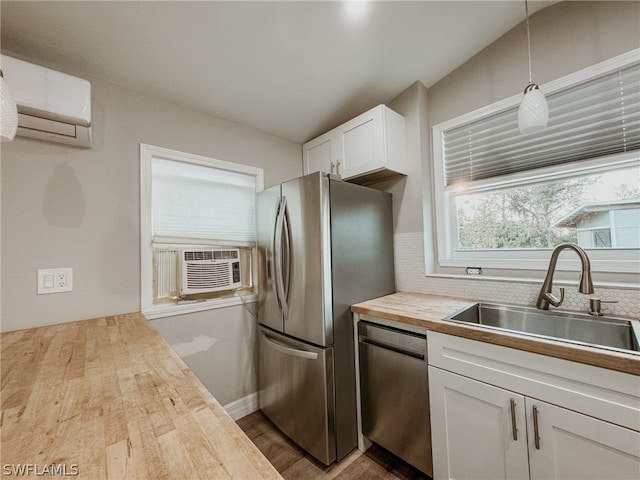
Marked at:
<point>204,271</point>
<point>52,106</point>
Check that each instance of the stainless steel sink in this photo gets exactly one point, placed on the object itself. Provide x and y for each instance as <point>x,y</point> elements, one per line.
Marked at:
<point>609,332</point>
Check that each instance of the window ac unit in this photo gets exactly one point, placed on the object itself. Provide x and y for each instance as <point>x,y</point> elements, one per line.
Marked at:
<point>205,271</point>
<point>52,106</point>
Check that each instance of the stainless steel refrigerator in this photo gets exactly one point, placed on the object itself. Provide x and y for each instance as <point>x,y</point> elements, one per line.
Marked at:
<point>323,245</point>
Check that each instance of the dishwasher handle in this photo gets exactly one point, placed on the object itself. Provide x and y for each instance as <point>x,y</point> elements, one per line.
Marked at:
<point>392,347</point>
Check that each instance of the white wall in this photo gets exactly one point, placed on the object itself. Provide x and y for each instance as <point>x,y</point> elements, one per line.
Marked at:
<point>219,346</point>
<point>79,208</point>
<point>566,37</point>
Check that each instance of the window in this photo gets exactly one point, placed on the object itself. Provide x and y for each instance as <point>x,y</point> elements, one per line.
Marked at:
<point>600,237</point>
<point>581,209</point>
<point>197,231</point>
<point>503,199</point>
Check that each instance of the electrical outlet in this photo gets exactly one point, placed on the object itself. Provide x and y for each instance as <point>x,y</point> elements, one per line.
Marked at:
<point>474,271</point>
<point>55,280</point>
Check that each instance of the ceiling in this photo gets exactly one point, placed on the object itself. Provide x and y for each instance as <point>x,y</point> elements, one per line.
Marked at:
<point>293,69</point>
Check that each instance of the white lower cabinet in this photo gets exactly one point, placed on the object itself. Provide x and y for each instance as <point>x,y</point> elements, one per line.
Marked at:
<point>471,433</point>
<point>474,436</point>
<point>572,445</point>
<point>501,424</point>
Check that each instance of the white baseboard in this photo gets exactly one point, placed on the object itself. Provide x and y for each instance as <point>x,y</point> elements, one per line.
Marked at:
<point>243,406</point>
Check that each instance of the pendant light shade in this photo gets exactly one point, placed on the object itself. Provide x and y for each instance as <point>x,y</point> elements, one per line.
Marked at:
<point>8,112</point>
<point>533,114</point>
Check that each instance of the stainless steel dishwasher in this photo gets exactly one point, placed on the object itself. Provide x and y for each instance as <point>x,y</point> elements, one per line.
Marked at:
<point>395,392</point>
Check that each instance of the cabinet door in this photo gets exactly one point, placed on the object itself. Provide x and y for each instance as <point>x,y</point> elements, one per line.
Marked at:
<point>472,425</point>
<point>574,446</point>
<point>362,142</point>
<point>319,154</point>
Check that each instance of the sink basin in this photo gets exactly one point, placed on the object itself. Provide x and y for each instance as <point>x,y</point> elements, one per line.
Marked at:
<point>609,332</point>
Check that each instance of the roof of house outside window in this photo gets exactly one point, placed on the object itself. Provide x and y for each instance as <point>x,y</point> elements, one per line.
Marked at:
<point>572,218</point>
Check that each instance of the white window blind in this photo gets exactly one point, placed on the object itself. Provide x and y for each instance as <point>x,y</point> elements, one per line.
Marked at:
<point>202,204</point>
<point>593,119</point>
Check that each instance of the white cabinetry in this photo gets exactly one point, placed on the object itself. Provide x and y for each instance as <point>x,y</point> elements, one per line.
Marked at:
<point>471,434</point>
<point>498,413</point>
<point>321,154</point>
<point>572,445</point>
<point>364,149</point>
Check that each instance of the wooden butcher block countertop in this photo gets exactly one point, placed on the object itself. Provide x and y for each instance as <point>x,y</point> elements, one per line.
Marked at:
<point>108,398</point>
<point>428,311</point>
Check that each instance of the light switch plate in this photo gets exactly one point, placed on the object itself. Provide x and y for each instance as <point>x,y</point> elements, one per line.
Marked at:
<point>55,280</point>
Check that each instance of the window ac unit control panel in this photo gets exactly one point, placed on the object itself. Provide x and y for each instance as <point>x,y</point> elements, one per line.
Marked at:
<point>204,271</point>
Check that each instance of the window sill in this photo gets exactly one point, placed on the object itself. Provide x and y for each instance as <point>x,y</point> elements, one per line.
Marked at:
<point>161,311</point>
<point>536,281</point>
<point>622,261</point>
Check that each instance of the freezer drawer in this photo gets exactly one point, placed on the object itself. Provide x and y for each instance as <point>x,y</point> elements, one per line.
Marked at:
<point>296,392</point>
<point>395,392</point>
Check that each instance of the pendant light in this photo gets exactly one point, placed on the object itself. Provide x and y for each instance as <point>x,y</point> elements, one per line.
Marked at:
<point>533,114</point>
<point>8,112</point>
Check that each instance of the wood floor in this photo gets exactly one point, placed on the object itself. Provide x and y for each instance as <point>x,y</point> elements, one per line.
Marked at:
<point>295,464</point>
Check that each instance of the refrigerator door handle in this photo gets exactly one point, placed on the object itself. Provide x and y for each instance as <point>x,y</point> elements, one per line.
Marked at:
<point>287,260</point>
<point>277,258</point>
<point>288,350</point>
<point>272,261</point>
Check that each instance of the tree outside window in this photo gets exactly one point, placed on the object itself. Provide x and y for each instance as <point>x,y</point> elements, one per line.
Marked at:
<point>544,215</point>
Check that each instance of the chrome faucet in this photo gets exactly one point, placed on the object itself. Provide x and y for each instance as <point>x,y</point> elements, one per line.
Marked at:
<point>545,297</point>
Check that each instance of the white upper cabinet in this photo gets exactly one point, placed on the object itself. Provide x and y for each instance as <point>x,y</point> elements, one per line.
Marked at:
<point>320,153</point>
<point>365,149</point>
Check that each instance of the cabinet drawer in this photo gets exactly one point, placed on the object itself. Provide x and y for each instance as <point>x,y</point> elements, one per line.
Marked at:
<point>606,394</point>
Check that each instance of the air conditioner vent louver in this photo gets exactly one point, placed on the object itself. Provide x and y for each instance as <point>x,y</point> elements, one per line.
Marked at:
<point>211,255</point>
<point>209,271</point>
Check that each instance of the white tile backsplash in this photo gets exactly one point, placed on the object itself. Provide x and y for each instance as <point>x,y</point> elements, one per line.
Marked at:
<point>410,277</point>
